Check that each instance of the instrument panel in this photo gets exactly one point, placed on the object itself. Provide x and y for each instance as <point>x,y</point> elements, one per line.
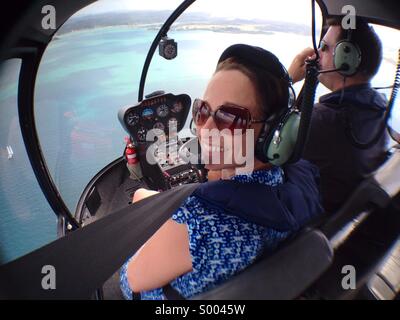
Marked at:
<point>155,116</point>
<point>153,125</point>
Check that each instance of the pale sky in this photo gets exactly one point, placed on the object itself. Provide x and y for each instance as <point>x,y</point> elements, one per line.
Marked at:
<point>297,11</point>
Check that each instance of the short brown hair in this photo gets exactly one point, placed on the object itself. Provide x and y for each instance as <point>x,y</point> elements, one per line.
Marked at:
<point>365,37</point>
<point>272,92</point>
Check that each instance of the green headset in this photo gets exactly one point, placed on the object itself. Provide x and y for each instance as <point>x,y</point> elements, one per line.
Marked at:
<point>278,136</point>
<point>276,143</point>
<point>347,56</point>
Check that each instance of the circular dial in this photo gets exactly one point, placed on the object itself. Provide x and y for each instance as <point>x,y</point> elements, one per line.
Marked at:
<point>141,134</point>
<point>177,107</point>
<point>147,114</point>
<point>162,111</point>
<point>132,119</point>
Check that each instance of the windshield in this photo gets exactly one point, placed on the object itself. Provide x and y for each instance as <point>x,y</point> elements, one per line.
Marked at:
<point>93,65</point>
<point>26,219</point>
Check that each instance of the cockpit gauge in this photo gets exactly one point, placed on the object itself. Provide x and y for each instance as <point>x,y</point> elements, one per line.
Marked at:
<point>177,107</point>
<point>141,134</point>
<point>162,111</point>
<point>148,114</point>
<point>159,126</point>
<point>132,119</point>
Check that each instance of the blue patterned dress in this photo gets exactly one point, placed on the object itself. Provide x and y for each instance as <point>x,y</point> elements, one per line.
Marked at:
<point>221,245</point>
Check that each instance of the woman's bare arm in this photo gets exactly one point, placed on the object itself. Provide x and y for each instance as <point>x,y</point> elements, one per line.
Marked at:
<point>163,257</point>
<point>142,193</point>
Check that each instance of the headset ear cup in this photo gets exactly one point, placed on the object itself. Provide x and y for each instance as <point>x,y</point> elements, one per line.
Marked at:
<point>276,155</point>
<point>280,147</point>
<point>347,55</point>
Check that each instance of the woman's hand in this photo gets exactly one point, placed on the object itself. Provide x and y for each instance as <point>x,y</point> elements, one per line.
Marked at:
<point>223,174</point>
<point>297,69</point>
<point>142,193</point>
<point>214,175</point>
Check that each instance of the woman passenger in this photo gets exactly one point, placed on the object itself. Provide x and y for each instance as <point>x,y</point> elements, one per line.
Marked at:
<point>201,246</point>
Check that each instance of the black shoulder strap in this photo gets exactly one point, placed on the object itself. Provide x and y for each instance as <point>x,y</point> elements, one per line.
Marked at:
<point>86,258</point>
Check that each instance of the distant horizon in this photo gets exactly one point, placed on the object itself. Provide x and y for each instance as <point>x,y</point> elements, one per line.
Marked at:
<point>83,14</point>
<point>191,20</point>
<point>188,14</point>
<point>286,10</point>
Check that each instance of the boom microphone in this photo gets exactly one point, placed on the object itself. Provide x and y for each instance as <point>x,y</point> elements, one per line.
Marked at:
<point>344,67</point>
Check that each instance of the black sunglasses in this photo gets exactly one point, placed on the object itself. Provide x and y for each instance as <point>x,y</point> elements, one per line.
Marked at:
<point>227,116</point>
<point>323,46</point>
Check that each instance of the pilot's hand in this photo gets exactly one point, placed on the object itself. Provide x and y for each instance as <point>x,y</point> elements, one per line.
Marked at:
<point>297,69</point>
<point>142,193</point>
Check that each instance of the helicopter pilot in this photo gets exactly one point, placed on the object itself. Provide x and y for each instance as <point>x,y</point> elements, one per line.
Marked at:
<point>350,116</point>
